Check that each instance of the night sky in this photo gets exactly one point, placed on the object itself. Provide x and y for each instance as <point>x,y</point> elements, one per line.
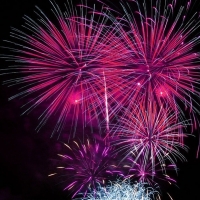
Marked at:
<point>26,156</point>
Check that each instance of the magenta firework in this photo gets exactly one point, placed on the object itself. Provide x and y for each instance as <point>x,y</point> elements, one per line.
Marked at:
<point>149,131</point>
<point>85,165</point>
<point>142,170</point>
<point>65,65</point>
<point>160,61</point>
<point>138,70</point>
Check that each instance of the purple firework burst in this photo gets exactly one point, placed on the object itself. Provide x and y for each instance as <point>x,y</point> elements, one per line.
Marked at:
<point>85,165</point>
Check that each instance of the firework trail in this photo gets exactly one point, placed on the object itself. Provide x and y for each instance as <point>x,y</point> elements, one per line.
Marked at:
<point>141,170</point>
<point>85,166</point>
<point>122,190</point>
<point>150,132</point>
<point>160,59</point>
<point>65,65</point>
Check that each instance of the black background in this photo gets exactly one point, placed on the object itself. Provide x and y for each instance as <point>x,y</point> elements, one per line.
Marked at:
<point>25,156</point>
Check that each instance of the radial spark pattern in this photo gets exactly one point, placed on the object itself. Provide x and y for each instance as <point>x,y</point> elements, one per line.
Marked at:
<point>88,66</point>
<point>85,166</point>
<point>65,65</point>
<point>160,61</point>
<point>150,132</point>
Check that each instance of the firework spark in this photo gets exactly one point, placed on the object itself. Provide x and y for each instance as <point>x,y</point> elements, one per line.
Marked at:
<point>122,190</point>
<point>150,132</point>
<point>141,170</point>
<point>85,165</point>
<point>65,65</point>
<point>160,59</point>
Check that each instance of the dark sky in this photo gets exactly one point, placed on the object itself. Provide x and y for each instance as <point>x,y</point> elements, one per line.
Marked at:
<point>25,156</point>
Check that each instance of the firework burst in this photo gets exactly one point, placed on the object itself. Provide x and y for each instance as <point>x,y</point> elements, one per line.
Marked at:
<point>160,59</point>
<point>150,132</point>
<point>122,190</point>
<point>85,165</point>
<point>65,65</point>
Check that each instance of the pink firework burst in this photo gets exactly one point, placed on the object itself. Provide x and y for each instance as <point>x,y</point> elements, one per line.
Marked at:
<point>66,65</point>
<point>85,166</point>
<point>160,58</point>
<point>149,131</point>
